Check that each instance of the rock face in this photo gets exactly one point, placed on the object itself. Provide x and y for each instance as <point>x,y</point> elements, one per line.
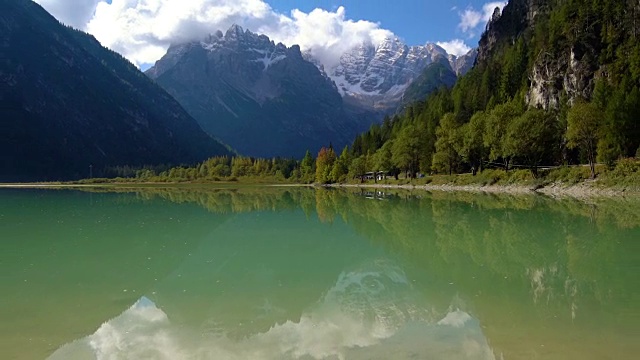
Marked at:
<point>550,76</point>
<point>67,103</point>
<point>514,18</point>
<point>462,64</point>
<point>376,76</point>
<point>263,99</point>
<point>565,72</point>
<point>570,70</point>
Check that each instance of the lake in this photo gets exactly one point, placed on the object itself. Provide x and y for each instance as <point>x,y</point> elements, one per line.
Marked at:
<point>299,273</point>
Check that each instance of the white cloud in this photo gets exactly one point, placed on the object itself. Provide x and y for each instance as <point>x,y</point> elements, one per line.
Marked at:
<point>455,47</point>
<point>75,13</point>
<point>327,34</point>
<point>471,18</point>
<point>142,30</point>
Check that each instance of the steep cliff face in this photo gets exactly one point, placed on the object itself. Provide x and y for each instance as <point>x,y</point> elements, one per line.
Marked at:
<point>263,99</point>
<point>566,74</point>
<point>462,64</point>
<point>555,52</point>
<point>510,23</point>
<point>561,71</point>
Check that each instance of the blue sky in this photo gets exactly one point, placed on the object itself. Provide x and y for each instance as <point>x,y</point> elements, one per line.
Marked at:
<point>415,21</point>
<point>142,30</point>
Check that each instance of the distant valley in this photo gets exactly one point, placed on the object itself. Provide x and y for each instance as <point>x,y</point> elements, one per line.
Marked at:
<point>261,98</point>
<point>264,99</point>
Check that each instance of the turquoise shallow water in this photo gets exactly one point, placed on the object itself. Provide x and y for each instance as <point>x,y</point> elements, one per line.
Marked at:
<point>263,273</point>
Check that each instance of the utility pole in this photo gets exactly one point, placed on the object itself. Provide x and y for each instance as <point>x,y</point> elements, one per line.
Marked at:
<point>91,171</point>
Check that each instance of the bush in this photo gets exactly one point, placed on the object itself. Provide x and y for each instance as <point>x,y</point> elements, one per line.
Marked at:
<point>558,174</point>
<point>97,181</point>
<point>578,174</point>
<point>625,167</point>
<point>520,176</point>
<point>491,176</point>
<point>570,175</point>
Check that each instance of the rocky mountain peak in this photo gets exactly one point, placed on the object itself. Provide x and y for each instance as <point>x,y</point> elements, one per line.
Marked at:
<point>390,44</point>
<point>376,75</point>
<point>247,46</point>
<point>508,23</point>
<point>235,32</point>
<point>262,98</point>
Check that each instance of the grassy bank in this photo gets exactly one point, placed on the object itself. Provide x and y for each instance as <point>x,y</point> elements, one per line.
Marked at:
<point>624,177</point>
<point>230,180</point>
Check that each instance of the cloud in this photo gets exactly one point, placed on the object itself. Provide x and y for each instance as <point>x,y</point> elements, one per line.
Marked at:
<point>455,47</point>
<point>471,18</point>
<point>142,30</point>
<point>327,34</point>
<point>75,13</point>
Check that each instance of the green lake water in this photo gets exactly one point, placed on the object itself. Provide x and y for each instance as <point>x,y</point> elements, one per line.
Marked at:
<point>296,273</point>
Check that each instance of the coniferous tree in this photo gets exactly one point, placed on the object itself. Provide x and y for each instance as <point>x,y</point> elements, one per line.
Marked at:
<point>307,168</point>
<point>341,166</point>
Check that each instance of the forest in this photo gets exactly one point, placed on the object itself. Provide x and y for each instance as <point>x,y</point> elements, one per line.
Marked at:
<point>488,119</point>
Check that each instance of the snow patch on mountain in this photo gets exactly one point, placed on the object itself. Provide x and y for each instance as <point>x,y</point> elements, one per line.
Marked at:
<point>248,46</point>
<point>376,75</point>
<point>372,76</point>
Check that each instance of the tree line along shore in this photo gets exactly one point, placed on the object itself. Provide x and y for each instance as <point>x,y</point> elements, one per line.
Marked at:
<point>343,170</point>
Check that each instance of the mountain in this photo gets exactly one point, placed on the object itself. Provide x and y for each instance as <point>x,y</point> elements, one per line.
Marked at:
<point>560,53</point>
<point>376,76</point>
<point>462,64</point>
<point>67,103</point>
<point>434,76</point>
<point>554,83</point>
<point>263,99</point>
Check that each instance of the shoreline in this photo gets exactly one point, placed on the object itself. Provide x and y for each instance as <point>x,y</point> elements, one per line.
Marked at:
<point>557,190</point>
<point>580,190</point>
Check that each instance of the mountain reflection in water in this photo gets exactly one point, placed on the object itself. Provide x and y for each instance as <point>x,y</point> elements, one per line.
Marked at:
<point>370,312</point>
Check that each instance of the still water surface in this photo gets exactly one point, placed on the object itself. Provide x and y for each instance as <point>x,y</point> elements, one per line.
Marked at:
<point>316,274</point>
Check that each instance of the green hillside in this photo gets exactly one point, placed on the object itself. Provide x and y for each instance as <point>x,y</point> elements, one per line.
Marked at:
<point>557,82</point>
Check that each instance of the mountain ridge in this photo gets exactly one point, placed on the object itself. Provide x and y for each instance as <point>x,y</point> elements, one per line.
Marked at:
<point>262,98</point>
<point>375,76</point>
<point>106,114</point>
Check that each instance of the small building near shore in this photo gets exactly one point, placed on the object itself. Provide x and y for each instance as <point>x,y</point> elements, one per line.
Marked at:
<point>375,175</point>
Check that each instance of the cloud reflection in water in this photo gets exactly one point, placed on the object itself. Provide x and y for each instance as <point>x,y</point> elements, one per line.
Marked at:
<point>371,312</point>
